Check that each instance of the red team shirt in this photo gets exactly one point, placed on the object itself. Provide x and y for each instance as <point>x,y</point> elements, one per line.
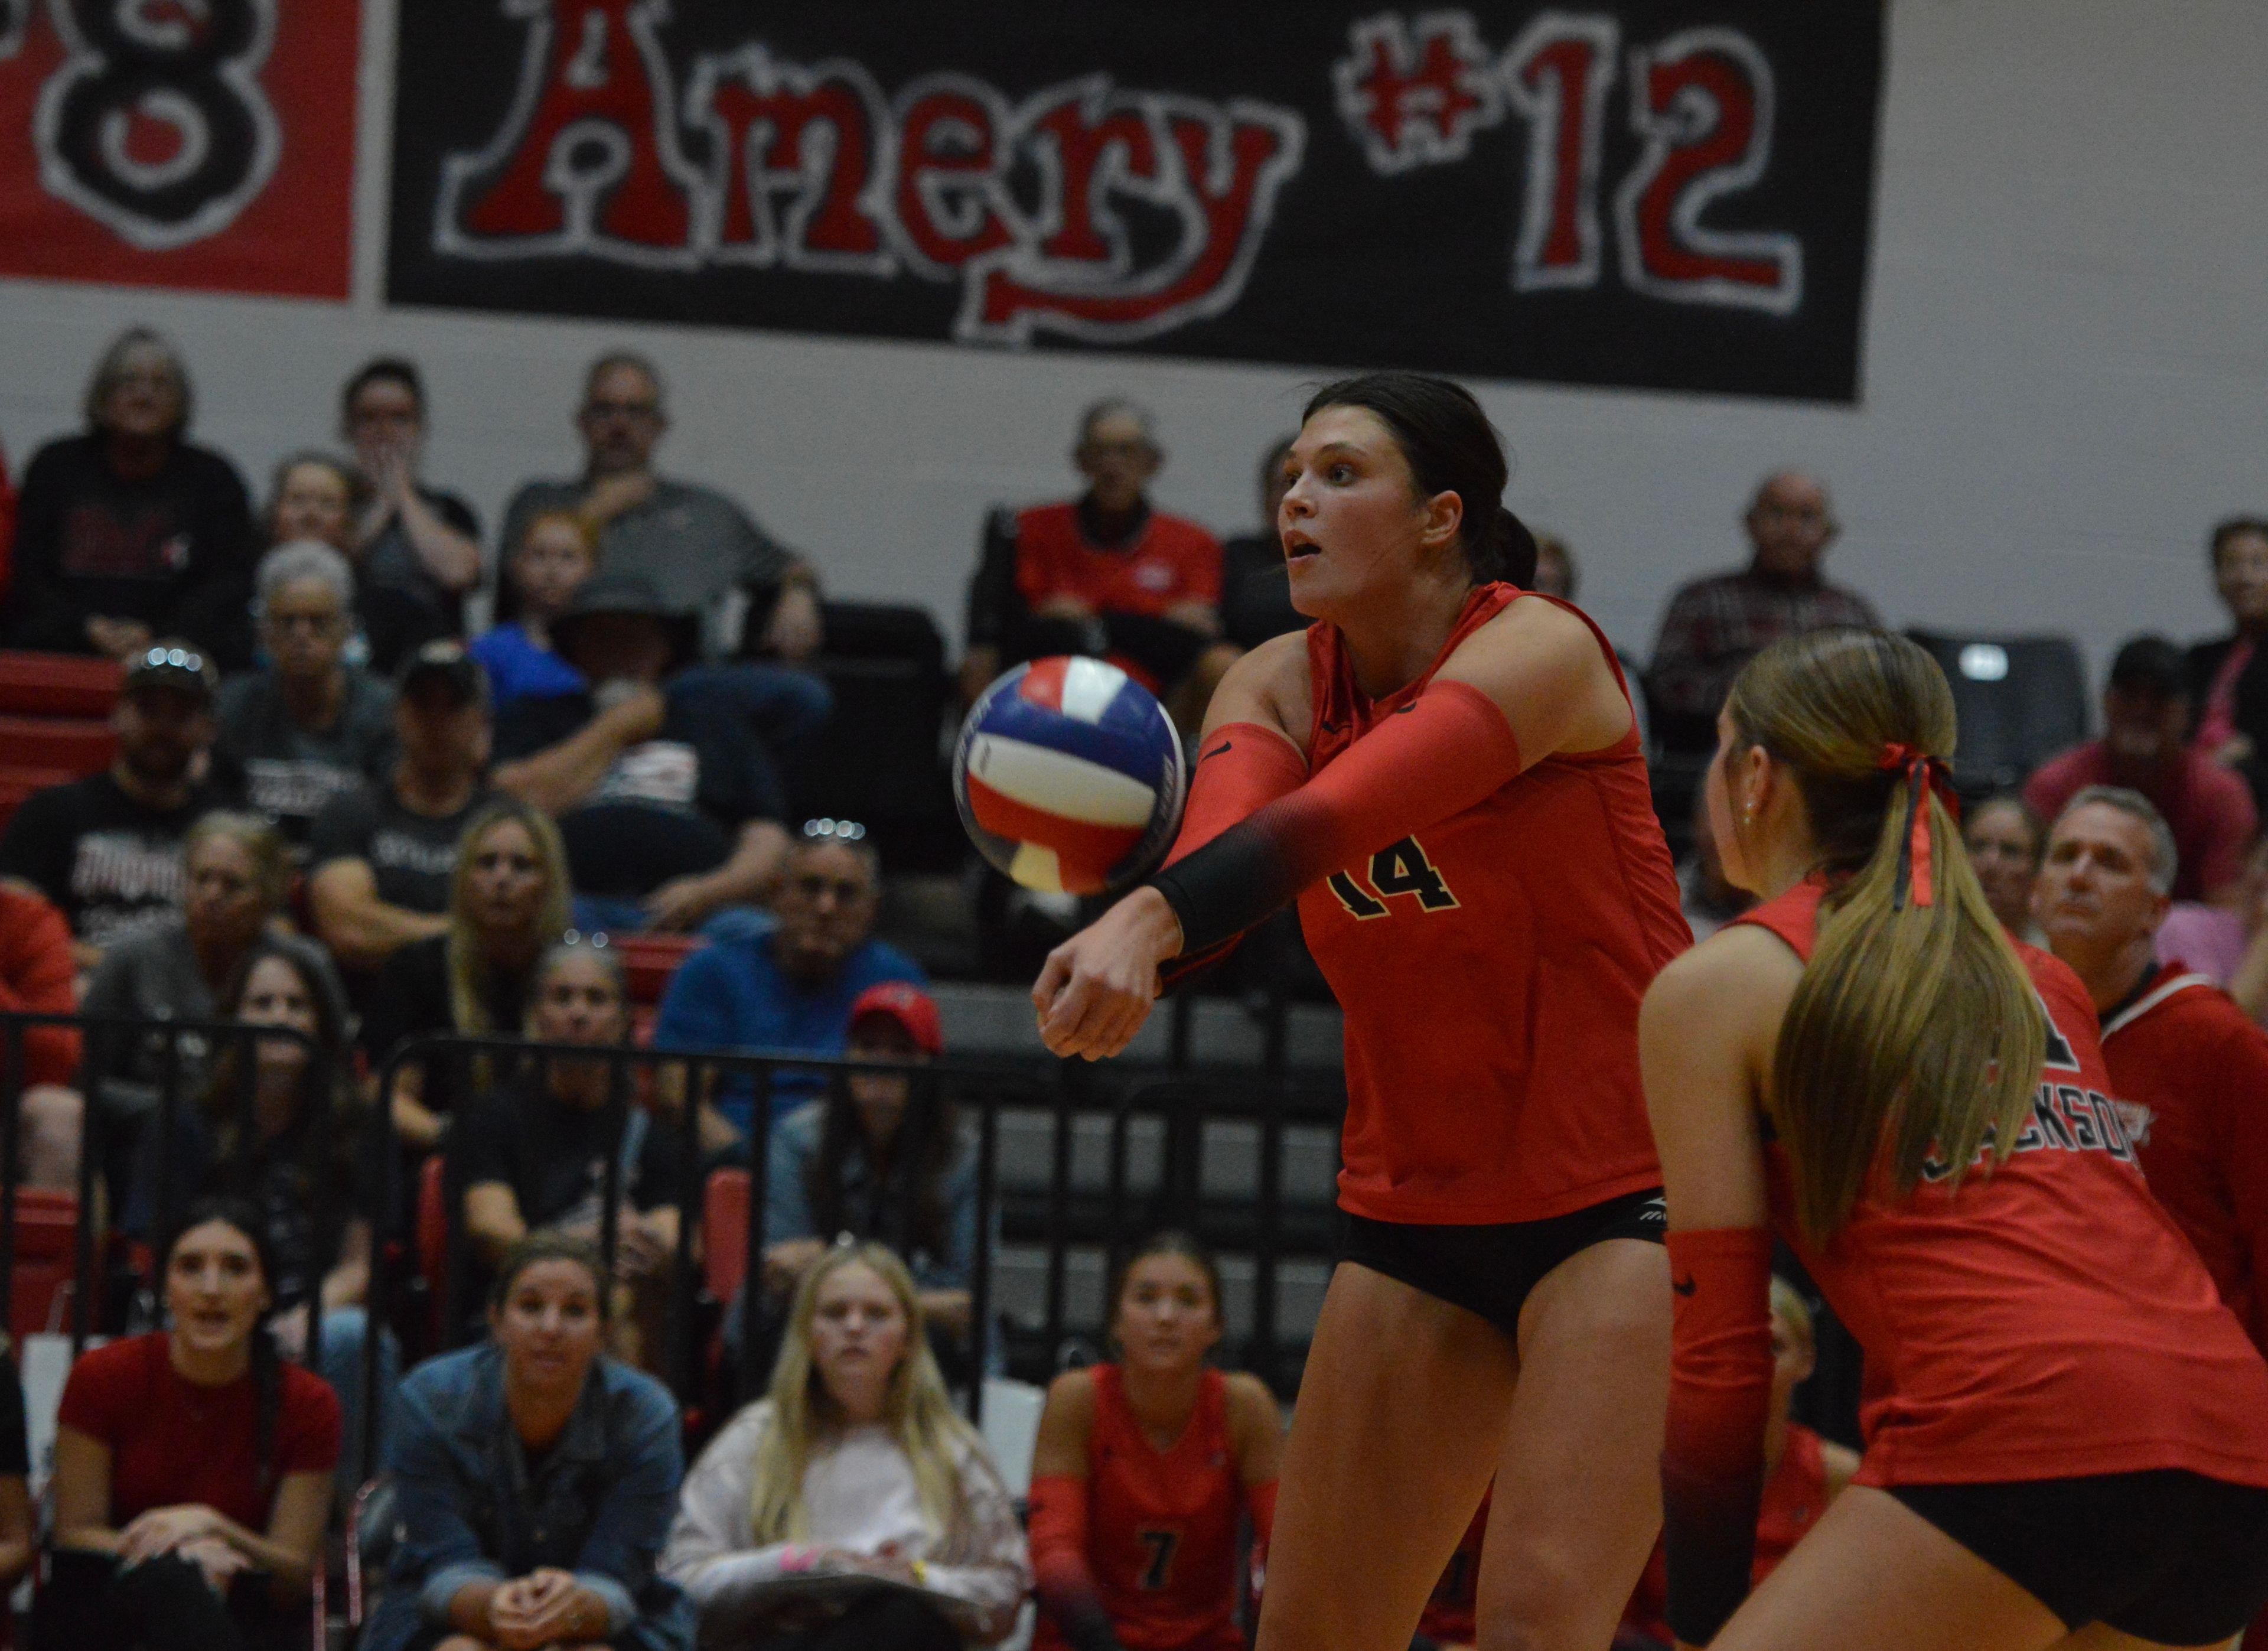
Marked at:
<point>1170,562</point>
<point>2050,1320</point>
<point>2191,1077</point>
<point>1491,971</point>
<point>1162,1525</point>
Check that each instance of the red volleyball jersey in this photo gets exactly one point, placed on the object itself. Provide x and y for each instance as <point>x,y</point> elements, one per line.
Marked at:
<point>1795,1497</point>
<point>1162,1525</point>
<point>2190,1072</point>
<point>1171,561</point>
<point>1491,971</point>
<point>2046,1319</point>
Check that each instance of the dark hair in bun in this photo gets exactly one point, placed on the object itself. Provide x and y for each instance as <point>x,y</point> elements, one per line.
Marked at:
<point>1451,447</point>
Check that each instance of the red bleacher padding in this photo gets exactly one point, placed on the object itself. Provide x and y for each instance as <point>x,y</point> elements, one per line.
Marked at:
<point>724,1232</point>
<point>650,960</point>
<point>78,746</point>
<point>57,685</point>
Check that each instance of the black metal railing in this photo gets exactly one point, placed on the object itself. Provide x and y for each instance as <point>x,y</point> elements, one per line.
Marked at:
<point>1054,1211</point>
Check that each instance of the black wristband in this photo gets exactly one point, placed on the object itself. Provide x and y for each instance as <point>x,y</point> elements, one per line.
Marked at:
<point>1231,884</point>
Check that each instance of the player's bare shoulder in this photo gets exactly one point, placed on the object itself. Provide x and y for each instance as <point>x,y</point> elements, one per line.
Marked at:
<point>1271,686</point>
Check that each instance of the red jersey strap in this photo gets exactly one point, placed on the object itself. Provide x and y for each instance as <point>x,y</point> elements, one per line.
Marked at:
<point>1448,748</point>
<point>1713,1456</point>
<point>1061,1577</point>
<point>1793,916</point>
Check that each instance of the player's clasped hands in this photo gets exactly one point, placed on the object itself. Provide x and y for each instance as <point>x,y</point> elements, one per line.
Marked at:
<point>1097,987</point>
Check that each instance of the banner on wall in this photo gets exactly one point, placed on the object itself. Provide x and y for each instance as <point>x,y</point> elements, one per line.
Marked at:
<point>1667,194</point>
<point>197,143</point>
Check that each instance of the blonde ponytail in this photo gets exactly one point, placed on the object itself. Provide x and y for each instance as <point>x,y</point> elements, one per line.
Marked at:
<point>1914,1040</point>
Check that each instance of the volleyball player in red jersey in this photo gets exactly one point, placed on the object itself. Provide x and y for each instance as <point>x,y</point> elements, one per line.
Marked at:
<point>2066,1431</point>
<point>1803,1472</point>
<point>1445,773</point>
<point>1144,1470</point>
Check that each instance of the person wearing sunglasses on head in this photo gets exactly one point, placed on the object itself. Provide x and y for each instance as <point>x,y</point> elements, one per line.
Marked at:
<point>786,979</point>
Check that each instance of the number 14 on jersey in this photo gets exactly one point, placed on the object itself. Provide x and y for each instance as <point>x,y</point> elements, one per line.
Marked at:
<point>1399,869</point>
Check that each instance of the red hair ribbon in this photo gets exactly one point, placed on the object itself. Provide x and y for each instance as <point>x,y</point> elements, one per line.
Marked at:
<point>1924,774</point>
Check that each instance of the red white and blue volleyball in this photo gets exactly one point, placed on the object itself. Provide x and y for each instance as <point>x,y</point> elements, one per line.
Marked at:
<point>1070,776</point>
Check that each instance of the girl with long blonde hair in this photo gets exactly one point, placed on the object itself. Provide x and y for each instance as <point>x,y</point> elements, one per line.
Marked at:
<point>851,1507</point>
<point>2067,1432</point>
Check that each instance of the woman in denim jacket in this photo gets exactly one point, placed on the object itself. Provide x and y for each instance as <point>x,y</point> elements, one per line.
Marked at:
<point>535,1481</point>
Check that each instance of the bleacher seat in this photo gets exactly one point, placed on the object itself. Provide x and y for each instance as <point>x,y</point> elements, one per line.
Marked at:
<point>2021,700</point>
<point>77,746</point>
<point>57,685</point>
<point>650,960</point>
<point>724,1232</point>
<point>46,1262</point>
<point>880,761</point>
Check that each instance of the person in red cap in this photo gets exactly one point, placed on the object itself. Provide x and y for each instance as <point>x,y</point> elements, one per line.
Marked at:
<point>882,1155</point>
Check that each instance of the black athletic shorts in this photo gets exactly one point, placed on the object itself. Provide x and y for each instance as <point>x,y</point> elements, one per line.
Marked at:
<point>1490,1270</point>
<point>2165,1555</point>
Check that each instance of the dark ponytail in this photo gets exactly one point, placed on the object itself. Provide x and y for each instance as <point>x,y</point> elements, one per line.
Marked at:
<point>1451,447</point>
<point>266,1363</point>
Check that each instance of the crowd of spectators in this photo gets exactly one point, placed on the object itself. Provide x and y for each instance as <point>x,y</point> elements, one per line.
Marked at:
<point>334,811</point>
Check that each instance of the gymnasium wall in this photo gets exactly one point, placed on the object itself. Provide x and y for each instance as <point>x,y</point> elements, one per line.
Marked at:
<point>2063,361</point>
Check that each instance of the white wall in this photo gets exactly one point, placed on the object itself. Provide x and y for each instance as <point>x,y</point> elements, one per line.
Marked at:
<point>2063,367</point>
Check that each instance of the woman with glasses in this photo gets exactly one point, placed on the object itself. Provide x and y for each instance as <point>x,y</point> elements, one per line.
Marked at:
<point>308,726</point>
<point>130,532</point>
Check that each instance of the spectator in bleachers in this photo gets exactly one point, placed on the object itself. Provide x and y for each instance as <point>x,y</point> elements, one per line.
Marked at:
<point>2189,1067</point>
<point>1104,574</point>
<point>1716,625</point>
<point>2145,748</point>
<point>107,849</point>
<point>1555,573</point>
<point>667,797</point>
<point>2228,943</point>
<point>416,550</point>
<point>556,556</point>
<point>2229,678</point>
<point>1255,597</point>
<point>235,870</point>
<point>533,1153</point>
<point>38,976</point>
<point>1803,1472</point>
<point>881,1157</point>
<point>130,532</point>
<point>274,1123</point>
<point>535,1479</point>
<point>383,854</point>
<point>193,1465</point>
<point>507,904</point>
<point>309,727</point>
<point>314,496</point>
<point>854,1466</point>
<point>2006,840</point>
<point>700,549</point>
<point>787,982</point>
<point>1154,1421</point>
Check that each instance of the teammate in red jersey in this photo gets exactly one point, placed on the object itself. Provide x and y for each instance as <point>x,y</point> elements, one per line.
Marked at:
<point>2066,1431</point>
<point>1803,1472</point>
<point>2190,1069</point>
<point>1145,1469</point>
<point>1445,773</point>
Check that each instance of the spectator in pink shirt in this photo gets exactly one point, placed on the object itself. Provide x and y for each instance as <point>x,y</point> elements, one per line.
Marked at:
<point>2145,746</point>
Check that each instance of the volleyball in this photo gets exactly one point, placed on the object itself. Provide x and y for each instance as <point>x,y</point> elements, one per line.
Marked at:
<point>1070,776</point>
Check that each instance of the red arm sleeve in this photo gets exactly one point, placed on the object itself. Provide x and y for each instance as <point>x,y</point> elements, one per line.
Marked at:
<point>1242,768</point>
<point>1712,1458</point>
<point>1062,1580</point>
<point>1446,751</point>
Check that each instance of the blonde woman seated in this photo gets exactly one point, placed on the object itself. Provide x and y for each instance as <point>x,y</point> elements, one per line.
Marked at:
<point>851,1509</point>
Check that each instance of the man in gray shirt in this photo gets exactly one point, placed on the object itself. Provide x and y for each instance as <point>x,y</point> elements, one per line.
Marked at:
<point>697,548</point>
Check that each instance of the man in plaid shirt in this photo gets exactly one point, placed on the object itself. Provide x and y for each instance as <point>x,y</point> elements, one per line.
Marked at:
<point>1715,625</point>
